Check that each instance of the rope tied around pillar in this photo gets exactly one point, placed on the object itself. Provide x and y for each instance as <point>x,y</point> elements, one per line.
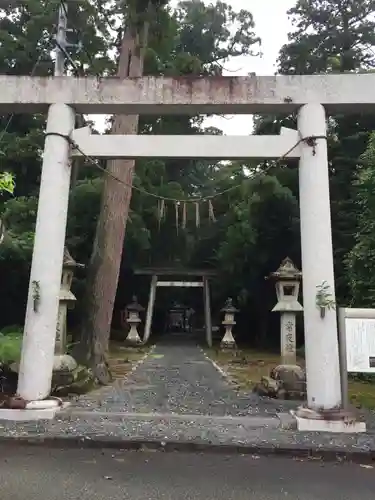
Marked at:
<point>63,136</point>
<point>311,141</point>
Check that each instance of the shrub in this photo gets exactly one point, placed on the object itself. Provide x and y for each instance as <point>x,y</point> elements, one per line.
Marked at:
<point>10,348</point>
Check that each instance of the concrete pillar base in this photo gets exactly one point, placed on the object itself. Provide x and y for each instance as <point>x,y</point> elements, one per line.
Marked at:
<point>33,411</point>
<point>337,420</point>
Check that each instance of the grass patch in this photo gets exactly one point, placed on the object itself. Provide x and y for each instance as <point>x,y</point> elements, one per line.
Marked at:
<point>247,367</point>
<point>362,394</point>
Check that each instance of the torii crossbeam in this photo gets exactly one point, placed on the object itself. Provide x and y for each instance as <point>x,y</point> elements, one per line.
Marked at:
<point>189,95</point>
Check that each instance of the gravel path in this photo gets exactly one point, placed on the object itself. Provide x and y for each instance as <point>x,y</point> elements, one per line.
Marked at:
<point>177,379</point>
<point>177,396</point>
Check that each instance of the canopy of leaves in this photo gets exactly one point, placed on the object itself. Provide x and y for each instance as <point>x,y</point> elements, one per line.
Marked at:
<point>327,37</point>
<point>256,220</point>
<point>361,259</point>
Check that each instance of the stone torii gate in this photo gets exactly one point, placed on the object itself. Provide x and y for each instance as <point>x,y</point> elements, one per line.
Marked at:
<point>158,279</point>
<point>310,96</point>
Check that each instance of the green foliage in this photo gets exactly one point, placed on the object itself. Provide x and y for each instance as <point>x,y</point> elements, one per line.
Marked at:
<point>191,39</point>
<point>7,182</point>
<point>258,232</point>
<point>10,347</point>
<point>214,32</point>
<point>324,298</point>
<point>12,330</point>
<point>361,259</point>
<point>328,37</point>
<point>256,220</point>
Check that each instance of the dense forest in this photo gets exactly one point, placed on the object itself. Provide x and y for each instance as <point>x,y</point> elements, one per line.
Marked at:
<point>252,221</point>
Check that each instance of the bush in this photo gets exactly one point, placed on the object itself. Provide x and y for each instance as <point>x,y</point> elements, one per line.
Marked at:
<point>368,378</point>
<point>12,330</point>
<point>10,348</point>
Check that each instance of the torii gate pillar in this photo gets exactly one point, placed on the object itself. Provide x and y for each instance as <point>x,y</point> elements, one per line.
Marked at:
<point>35,371</point>
<point>321,339</point>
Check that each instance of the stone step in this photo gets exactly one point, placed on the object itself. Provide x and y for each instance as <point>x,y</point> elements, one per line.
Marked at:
<point>281,420</point>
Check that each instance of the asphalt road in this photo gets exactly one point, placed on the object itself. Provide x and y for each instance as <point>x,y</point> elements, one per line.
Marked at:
<point>37,474</point>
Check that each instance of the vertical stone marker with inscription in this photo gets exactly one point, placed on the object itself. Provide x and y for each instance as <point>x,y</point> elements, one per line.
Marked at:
<point>288,279</point>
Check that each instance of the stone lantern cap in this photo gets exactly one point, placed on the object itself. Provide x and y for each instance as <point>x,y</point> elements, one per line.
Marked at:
<point>69,262</point>
<point>229,307</point>
<point>134,306</point>
<point>287,271</point>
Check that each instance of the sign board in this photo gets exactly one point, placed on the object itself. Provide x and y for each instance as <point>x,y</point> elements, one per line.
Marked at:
<point>356,344</point>
<point>360,344</point>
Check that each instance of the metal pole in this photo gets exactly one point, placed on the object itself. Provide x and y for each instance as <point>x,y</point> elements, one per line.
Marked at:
<point>343,360</point>
<point>38,347</point>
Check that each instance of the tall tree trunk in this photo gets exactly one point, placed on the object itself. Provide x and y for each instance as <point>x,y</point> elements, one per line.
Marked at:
<point>104,267</point>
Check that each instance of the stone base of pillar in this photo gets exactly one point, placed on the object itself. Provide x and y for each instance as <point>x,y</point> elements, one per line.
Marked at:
<point>228,341</point>
<point>228,345</point>
<point>33,413</point>
<point>345,421</point>
<point>289,360</point>
<point>133,336</point>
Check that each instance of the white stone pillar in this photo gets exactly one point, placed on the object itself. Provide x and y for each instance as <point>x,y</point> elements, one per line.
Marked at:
<point>321,342</point>
<point>288,338</point>
<point>150,308</point>
<point>38,346</point>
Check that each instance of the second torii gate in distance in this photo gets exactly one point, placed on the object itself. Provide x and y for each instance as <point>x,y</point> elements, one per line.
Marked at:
<point>309,96</point>
<point>177,278</point>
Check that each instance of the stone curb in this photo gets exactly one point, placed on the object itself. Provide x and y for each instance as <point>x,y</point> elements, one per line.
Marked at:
<point>104,442</point>
<point>279,421</point>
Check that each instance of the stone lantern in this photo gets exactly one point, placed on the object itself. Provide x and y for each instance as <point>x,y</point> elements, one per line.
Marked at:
<point>66,300</point>
<point>287,279</point>
<point>134,309</point>
<point>228,322</point>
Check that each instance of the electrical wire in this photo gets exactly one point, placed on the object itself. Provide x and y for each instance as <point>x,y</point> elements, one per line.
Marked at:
<point>68,57</point>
